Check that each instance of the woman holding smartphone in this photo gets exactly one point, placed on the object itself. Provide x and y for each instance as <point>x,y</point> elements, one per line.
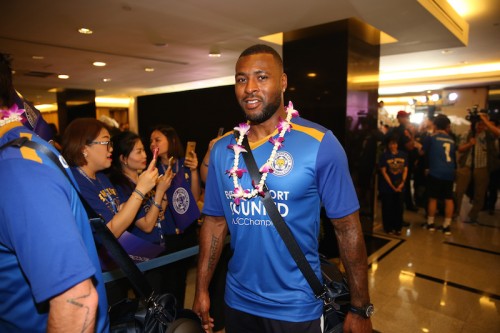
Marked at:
<point>129,161</point>
<point>182,212</point>
<point>87,147</point>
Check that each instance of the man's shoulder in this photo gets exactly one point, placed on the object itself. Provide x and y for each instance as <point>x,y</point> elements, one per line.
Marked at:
<point>310,128</point>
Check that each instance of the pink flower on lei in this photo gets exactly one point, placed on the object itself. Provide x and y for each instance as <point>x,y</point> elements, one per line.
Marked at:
<point>291,110</point>
<point>278,141</point>
<point>237,149</point>
<point>238,194</point>
<point>266,168</point>
<point>236,171</point>
<point>12,112</point>
<point>243,128</point>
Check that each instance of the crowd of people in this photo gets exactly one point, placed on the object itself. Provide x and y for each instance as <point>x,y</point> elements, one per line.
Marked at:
<point>431,169</point>
<point>153,206</point>
<point>242,285</point>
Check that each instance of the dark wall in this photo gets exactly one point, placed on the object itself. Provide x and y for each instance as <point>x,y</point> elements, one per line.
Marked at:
<point>195,114</point>
<point>73,104</point>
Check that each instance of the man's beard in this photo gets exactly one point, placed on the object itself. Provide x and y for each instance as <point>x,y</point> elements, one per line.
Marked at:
<point>268,111</point>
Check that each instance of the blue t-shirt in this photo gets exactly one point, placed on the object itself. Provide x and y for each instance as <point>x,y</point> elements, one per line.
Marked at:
<point>46,243</point>
<point>394,165</point>
<point>440,149</point>
<point>310,170</point>
<point>99,193</point>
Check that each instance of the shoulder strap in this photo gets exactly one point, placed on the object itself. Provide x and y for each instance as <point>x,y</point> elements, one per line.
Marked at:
<point>133,273</point>
<point>282,227</point>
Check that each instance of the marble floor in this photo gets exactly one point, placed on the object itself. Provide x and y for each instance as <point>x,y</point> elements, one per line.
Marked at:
<point>425,281</point>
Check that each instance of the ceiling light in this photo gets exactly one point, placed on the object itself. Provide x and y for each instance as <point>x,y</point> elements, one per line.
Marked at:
<point>447,51</point>
<point>214,52</point>
<point>37,57</point>
<point>106,79</point>
<point>311,74</point>
<point>452,96</point>
<point>149,69</point>
<point>99,63</point>
<point>435,97</point>
<point>85,31</point>
<point>63,76</point>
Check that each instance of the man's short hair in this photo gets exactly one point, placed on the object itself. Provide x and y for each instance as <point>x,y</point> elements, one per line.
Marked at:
<point>262,48</point>
<point>441,122</point>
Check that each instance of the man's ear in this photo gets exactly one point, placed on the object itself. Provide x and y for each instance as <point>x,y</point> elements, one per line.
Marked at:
<point>284,82</point>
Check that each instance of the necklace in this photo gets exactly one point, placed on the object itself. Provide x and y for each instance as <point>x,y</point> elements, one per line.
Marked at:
<point>258,189</point>
<point>109,197</point>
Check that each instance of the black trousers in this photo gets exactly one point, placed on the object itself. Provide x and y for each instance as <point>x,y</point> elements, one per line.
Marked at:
<point>392,211</point>
<point>242,322</point>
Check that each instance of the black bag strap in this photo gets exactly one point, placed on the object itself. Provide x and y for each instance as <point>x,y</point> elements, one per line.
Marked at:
<point>120,256</point>
<point>283,229</point>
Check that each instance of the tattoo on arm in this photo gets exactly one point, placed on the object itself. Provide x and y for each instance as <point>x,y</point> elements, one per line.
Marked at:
<point>75,301</point>
<point>212,260</point>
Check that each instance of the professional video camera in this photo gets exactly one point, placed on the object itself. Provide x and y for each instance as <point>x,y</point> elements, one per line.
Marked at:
<point>473,114</point>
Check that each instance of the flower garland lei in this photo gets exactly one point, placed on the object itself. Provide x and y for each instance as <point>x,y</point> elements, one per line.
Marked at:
<point>11,115</point>
<point>258,189</point>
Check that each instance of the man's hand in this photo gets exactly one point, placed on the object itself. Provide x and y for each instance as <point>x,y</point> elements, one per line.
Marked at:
<point>357,324</point>
<point>201,306</point>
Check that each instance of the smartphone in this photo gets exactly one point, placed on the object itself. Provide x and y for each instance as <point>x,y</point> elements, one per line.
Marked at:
<point>155,153</point>
<point>191,145</point>
<point>221,131</point>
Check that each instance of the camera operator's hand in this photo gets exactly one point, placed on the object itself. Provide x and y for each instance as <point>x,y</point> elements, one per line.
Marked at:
<point>489,124</point>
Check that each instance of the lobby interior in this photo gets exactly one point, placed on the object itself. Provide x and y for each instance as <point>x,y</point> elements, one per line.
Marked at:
<point>156,56</point>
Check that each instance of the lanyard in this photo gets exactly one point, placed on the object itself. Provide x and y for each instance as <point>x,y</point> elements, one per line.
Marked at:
<point>109,198</point>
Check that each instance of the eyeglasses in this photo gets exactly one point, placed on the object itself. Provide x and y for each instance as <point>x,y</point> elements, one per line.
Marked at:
<point>107,143</point>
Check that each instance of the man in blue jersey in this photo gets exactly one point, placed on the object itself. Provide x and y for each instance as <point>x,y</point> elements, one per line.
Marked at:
<point>49,269</point>
<point>303,168</point>
<point>440,149</point>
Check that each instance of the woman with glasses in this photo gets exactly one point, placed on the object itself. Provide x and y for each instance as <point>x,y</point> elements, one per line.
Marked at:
<point>87,147</point>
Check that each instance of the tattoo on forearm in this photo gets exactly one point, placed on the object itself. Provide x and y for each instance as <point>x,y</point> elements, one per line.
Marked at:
<point>212,260</point>
<point>76,302</point>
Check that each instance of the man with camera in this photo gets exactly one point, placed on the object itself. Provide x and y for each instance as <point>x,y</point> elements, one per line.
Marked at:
<point>478,158</point>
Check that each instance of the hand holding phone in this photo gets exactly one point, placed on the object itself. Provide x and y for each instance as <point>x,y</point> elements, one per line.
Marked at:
<point>191,145</point>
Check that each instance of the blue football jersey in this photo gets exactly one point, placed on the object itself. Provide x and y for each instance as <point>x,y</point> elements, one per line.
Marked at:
<point>310,170</point>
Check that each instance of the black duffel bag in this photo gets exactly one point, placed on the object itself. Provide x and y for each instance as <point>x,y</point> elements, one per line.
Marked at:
<point>337,296</point>
<point>158,314</point>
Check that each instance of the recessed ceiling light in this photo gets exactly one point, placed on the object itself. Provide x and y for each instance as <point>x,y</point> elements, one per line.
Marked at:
<point>63,76</point>
<point>149,69</point>
<point>106,79</point>
<point>37,57</point>
<point>99,63</point>
<point>85,31</point>
<point>311,74</point>
<point>214,54</point>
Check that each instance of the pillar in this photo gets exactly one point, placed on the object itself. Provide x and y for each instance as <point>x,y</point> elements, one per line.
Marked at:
<point>333,80</point>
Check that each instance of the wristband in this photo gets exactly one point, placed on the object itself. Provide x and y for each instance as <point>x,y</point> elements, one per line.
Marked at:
<point>157,205</point>
<point>139,193</point>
